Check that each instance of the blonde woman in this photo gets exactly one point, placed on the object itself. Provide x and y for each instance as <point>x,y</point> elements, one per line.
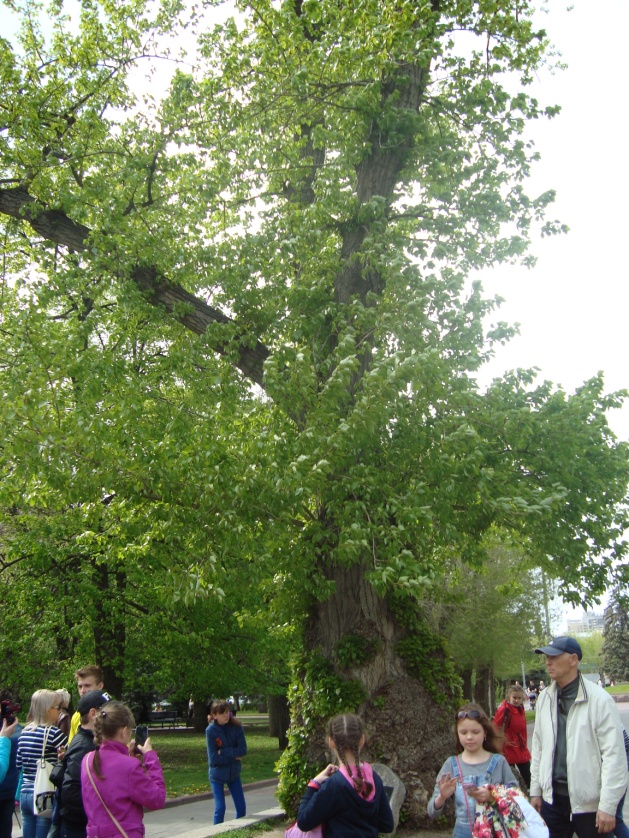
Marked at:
<point>41,728</point>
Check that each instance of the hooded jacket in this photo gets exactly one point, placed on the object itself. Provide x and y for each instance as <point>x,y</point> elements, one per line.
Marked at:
<point>126,786</point>
<point>595,759</point>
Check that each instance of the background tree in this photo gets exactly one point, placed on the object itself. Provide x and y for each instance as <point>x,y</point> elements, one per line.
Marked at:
<point>307,201</point>
<point>492,617</point>
<point>615,653</point>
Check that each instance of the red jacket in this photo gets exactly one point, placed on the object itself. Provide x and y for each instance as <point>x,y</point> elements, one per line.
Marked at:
<point>512,721</point>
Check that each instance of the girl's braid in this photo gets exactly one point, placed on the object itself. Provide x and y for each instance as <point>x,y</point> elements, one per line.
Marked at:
<point>346,732</point>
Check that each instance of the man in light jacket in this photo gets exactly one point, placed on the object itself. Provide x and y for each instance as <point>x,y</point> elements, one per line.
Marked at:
<point>578,763</point>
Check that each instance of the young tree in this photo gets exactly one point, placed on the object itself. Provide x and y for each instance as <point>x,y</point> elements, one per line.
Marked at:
<point>615,653</point>
<point>491,618</point>
<point>308,199</point>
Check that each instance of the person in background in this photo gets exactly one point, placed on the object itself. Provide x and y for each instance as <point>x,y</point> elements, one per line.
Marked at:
<point>511,719</point>
<point>63,723</point>
<point>72,812</point>
<point>226,746</point>
<point>88,678</point>
<point>621,830</point>
<point>41,735</point>
<point>9,775</point>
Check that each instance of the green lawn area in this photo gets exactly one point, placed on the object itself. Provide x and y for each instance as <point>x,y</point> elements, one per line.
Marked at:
<point>618,689</point>
<point>184,759</point>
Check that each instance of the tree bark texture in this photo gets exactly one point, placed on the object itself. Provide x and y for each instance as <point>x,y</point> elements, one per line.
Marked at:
<point>279,719</point>
<point>405,728</point>
<point>199,716</point>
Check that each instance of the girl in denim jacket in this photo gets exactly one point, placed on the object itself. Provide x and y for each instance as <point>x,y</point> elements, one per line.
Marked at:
<point>477,764</point>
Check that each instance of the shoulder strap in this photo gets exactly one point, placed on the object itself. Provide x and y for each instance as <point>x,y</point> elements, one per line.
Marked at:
<point>454,761</point>
<point>467,803</point>
<point>505,718</point>
<point>44,743</point>
<point>89,774</point>
<point>492,763</point>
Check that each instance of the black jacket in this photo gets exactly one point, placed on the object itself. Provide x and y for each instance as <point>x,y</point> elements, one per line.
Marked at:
<point>72,810</point>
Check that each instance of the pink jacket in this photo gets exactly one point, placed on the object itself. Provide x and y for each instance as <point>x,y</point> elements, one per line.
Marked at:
<point>126,787</point>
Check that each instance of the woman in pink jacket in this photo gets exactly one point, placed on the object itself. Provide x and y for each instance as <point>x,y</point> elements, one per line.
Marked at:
<point>115,785</point>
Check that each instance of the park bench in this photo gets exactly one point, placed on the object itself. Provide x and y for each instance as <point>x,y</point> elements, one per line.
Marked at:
<point>164,717</point>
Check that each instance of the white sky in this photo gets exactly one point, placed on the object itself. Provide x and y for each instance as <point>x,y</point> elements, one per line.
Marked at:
<point>573,306</point>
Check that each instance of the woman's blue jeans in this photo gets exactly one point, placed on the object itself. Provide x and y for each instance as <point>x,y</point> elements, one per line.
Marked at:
<point>33,826</point>
<point>238,796</point>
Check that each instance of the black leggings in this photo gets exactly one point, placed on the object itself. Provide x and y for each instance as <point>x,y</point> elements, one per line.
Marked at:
<point>525,771</point>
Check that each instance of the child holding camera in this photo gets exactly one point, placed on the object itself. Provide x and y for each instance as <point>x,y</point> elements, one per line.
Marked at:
<point>115,785</point>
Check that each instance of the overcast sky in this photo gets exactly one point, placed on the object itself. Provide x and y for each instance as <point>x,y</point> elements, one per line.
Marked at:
<point>573,305</point>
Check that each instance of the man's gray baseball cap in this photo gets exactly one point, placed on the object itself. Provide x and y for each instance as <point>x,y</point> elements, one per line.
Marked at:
<point>559,645</point>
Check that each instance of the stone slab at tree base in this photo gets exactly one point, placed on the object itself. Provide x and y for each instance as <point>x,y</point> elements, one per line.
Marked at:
<point>395,789</point>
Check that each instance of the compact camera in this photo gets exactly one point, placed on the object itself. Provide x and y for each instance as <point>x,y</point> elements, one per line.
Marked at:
<point>9,711</point>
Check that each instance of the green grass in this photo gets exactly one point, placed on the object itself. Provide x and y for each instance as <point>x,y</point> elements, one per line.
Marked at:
<point>618,689</point>
<point>184,759</point>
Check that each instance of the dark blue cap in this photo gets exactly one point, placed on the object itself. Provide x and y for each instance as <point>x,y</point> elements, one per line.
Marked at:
<point>559,645</point>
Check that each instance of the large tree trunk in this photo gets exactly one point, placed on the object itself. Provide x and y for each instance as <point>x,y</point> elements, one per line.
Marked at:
<point>199,716</point>
<point>405,727</point>
<point>279,719</point>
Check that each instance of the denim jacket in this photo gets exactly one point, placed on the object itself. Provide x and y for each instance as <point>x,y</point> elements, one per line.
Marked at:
<point>496,772</point>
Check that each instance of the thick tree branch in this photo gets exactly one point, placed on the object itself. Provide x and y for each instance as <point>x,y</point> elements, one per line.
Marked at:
<point>190,311</point>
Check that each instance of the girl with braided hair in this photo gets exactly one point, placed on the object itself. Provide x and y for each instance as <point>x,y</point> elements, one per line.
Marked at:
<point>120,778</point>
<point>349,799</point>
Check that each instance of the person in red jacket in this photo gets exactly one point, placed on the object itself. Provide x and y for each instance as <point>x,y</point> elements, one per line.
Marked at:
<point>511,719</point>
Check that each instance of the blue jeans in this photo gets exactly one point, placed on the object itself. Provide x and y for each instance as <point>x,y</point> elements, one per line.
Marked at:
<point>621,830</point>
<point>33,826</point>
<point>562,823</point>
<point>238,796</point>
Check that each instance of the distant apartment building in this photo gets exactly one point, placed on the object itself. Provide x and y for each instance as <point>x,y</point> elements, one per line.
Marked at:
<point>589,622</point>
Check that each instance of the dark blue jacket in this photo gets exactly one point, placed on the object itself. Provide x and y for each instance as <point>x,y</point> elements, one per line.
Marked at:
<point>229,739</point>
<point>9,784</point>
<point>343,811</point>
